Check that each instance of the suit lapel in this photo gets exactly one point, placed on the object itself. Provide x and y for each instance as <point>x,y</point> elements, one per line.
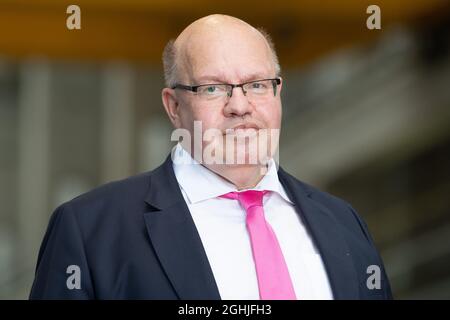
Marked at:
<point>327,236</point>
<point>175,238</point>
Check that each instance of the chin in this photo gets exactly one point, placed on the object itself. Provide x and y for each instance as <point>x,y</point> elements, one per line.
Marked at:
<point>248,155</point>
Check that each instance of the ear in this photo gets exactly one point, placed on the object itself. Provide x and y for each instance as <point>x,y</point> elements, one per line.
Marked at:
<point>170,102</point>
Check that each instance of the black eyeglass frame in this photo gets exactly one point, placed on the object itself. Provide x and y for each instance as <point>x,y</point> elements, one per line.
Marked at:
<point>275,82</point>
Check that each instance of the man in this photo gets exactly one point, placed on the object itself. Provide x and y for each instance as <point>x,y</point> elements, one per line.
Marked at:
<point>224,224</point>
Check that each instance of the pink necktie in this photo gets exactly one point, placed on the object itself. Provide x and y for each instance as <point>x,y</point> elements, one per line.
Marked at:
<point>273,276</point>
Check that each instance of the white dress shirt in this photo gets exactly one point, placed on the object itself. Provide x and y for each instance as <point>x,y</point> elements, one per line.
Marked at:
<point>221,225</point>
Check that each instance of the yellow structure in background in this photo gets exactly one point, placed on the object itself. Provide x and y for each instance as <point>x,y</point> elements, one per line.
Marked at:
<point>136,30</point>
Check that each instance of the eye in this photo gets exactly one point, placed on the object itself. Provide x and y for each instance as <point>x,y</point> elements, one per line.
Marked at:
<point>258,86</point>
<point>210,90</point>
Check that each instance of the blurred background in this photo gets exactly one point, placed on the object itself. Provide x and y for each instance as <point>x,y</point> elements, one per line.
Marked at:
<point>366,115</point>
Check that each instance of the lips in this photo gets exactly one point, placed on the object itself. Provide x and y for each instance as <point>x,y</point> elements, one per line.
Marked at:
<point>242,127</point>
<point>246,126</point>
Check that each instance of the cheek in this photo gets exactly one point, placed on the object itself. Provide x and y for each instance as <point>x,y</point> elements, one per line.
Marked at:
<point>191,112</point>
<point>210,118</point>
<point>186,118</point>
<point>272,115</point>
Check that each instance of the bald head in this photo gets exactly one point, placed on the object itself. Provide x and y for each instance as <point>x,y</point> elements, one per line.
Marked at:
<point>215,23</point>
<point>214,35</point>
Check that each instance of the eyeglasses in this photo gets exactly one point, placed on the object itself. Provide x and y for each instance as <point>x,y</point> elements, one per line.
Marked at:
<point>253,89</point>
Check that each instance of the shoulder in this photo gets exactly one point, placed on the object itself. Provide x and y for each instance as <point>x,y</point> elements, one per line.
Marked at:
<point>106,202</point>
<point>295,186</point>
<point>116,192</point>
<point>342,211</point>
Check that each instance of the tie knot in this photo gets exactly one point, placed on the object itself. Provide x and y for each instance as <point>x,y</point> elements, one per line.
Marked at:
<point>247,198</point>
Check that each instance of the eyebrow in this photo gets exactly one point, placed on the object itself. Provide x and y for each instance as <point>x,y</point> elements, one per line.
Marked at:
<point>218,79</point>
<point>210,79</point>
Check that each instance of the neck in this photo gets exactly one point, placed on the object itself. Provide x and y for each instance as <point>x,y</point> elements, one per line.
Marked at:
<point>242,176</point>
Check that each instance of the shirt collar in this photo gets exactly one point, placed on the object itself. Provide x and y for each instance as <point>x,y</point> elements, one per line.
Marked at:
<point>199,183</point>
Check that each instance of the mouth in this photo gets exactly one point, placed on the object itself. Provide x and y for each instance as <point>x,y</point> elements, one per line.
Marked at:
<point>247,127</point>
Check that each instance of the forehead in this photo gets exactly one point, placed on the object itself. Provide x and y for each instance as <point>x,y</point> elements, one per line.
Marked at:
<point>228,54</point>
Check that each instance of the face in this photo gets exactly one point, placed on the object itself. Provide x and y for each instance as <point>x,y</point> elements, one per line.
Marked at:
<point>234,54</point>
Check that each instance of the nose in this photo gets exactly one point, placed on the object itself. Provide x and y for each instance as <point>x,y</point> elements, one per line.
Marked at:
<point>237,104</point>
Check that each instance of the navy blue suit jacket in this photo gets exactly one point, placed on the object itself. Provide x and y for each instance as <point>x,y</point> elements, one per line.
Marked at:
<point>135,239</point>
